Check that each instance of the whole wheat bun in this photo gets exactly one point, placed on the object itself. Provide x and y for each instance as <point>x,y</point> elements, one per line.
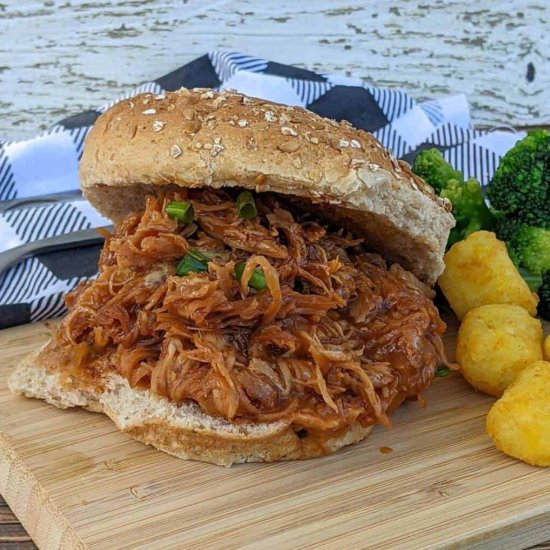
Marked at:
<point>201,138</point>
<point>183,431</point>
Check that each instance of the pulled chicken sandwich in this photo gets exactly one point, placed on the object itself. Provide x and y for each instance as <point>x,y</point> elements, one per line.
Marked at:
<point>266,293</point>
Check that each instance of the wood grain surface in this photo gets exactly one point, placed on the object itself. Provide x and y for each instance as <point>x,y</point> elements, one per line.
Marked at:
<point>76,482</point>
<point>58,57</point>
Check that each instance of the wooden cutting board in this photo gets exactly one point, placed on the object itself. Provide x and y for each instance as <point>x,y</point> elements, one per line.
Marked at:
<point>76,482</point>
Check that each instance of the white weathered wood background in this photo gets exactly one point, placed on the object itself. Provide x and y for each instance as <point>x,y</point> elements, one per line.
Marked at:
<point>59,57</point>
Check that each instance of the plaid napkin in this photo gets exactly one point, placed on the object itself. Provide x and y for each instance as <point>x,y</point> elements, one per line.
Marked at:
<point>34,289</point>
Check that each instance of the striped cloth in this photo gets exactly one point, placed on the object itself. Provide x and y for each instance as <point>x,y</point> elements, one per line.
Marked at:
<point>34,289</point>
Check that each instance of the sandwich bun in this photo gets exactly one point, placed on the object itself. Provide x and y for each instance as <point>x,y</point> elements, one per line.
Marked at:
<point>184,430</point>
<point>200,138</point>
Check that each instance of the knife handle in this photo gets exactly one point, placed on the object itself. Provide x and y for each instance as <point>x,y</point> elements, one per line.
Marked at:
<point>85,237</point>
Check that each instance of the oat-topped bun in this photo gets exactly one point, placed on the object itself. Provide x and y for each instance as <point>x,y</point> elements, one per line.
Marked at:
<point>228,326</point>
<point>198,138</point>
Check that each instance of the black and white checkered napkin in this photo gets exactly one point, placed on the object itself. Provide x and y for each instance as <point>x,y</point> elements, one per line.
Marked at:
<point>34,289</point>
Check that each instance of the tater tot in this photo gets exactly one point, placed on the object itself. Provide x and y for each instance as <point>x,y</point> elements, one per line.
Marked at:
<point>479,271</point>
<point>546,348</point>
<point>519,422</point>
<point>495,342</point>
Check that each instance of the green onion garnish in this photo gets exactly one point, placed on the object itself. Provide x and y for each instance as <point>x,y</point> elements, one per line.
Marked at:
<point>246,207</point>
<point>181,211</point>
<point>257,280</point>
<point>198,255</point>
<point>193,262</point>
<point>442,372</point>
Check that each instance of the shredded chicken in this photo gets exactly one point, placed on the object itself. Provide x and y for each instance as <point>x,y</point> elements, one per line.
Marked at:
<point>335,337</point>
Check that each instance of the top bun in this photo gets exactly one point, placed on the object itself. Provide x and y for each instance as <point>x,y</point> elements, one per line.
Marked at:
<point>202,138</point>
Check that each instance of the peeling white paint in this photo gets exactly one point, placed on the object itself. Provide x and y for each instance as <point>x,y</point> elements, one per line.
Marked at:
<point>59,57</point>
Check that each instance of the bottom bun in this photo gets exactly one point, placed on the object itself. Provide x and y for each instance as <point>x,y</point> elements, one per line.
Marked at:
<point>183,430</point>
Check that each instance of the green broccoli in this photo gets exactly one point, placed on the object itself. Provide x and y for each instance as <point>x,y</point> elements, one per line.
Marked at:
<point>528,246</point>
<point>529,249</point>
<point>521,185</point>
<point>434,169</point>
<point>469,208</point>
<point>544,296</point>
<point>506,230</point>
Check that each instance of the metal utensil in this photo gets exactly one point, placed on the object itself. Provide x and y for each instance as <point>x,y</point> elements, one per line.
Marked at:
<point>27,202</point>
<point>85,237</point>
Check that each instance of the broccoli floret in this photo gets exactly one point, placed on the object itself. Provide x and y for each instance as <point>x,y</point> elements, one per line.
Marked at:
<point>469,209</point>
<point>521,185</point>
<point>544,297</point>
<point>533,281</point>
<point>529,247</point>
<point>506,230</point>
<point>434,169</point>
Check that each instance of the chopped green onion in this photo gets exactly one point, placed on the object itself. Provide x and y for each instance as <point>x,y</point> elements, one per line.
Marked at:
<point>181,211</point>
<point>442,372</point>
<point>193,262</point>
<point>246,207</point>
<point>198,255</point>
<point>257,280</point>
